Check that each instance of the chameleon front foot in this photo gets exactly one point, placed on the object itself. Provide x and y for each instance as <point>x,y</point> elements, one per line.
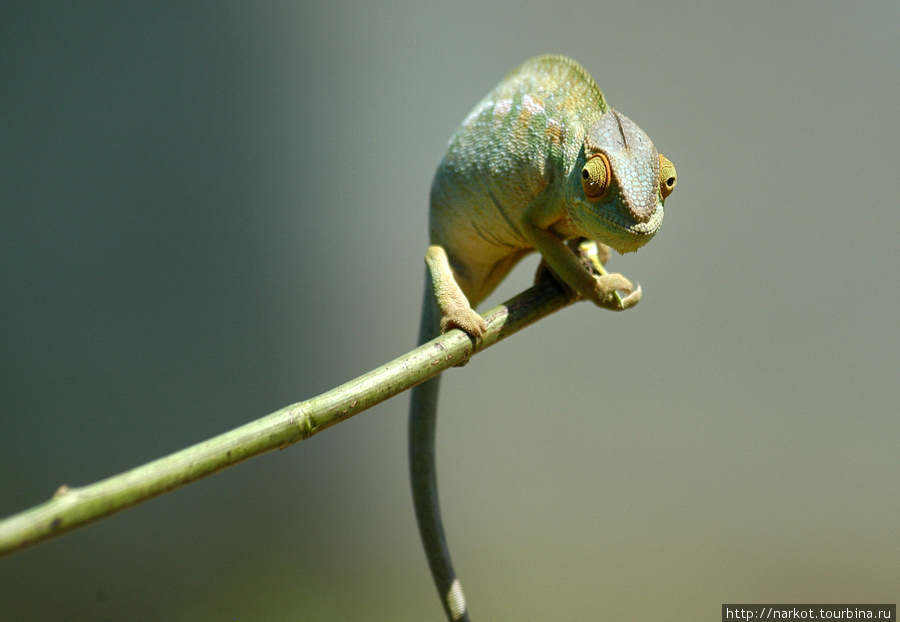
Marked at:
<point>609,287</point>
<point>608,291</point>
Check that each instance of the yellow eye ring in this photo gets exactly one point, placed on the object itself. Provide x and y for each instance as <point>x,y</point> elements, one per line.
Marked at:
<point>667,176</point>
<point>595,177</point>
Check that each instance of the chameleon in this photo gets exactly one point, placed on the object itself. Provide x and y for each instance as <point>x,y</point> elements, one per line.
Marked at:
<point>542,164</point>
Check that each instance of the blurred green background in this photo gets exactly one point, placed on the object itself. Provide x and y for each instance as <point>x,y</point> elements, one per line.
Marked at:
<point>210,210</point>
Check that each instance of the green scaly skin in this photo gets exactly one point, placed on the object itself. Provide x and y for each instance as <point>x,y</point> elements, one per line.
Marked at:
<point>542,163</point>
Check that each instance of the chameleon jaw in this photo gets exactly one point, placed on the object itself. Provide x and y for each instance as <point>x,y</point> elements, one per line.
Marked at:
<point>613,228</point>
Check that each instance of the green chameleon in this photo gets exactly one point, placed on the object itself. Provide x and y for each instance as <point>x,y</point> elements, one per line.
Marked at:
<point>542,163</point>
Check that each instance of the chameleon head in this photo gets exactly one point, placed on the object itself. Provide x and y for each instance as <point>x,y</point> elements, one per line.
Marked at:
<point>622,183</point>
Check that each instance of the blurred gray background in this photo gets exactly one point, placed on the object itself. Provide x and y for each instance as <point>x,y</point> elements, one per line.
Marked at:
<point>212,210</point>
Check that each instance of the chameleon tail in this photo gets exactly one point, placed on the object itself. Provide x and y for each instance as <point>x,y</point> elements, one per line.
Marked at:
<point>422,420</point>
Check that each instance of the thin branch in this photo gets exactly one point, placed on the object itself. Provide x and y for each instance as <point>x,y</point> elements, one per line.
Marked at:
<point>72,508</point>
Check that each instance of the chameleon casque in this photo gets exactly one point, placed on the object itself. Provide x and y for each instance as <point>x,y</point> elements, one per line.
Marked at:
<point>541,163</point>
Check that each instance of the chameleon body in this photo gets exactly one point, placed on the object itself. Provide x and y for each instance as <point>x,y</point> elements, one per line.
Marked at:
<point>541,163</point>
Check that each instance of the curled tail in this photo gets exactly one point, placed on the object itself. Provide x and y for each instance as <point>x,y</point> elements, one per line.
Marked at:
<point>422,421</point>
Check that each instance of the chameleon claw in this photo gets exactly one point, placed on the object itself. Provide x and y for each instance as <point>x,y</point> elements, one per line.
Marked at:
<point>630,300</point>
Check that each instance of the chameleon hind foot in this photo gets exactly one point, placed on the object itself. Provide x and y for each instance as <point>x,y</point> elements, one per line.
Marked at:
<point>456,312</point>
<point>466,319</point>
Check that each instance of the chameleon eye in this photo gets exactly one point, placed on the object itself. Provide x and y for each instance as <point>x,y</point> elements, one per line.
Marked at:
<point>667,176</point>
<point>595,177</point>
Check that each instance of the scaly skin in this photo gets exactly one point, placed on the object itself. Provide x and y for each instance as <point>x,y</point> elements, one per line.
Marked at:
<point>541,163</point>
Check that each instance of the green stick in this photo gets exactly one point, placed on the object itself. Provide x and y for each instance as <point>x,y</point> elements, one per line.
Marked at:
<point>72,508</point>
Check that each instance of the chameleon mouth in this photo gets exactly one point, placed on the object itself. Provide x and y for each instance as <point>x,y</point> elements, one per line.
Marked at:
<point>622,232</point>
